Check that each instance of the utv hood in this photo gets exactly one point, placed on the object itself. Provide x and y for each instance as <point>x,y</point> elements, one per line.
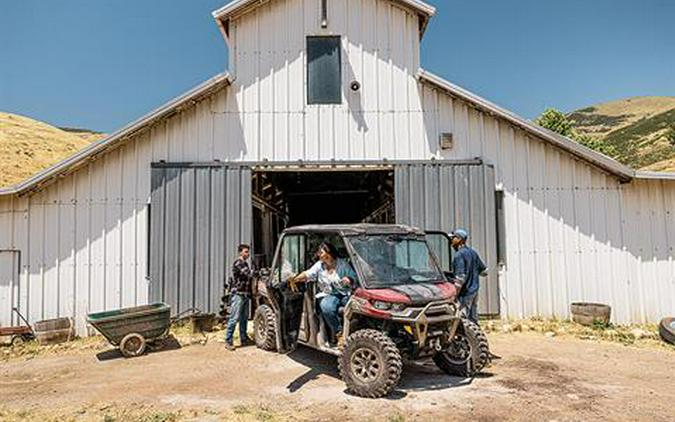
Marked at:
<point>417,294</point>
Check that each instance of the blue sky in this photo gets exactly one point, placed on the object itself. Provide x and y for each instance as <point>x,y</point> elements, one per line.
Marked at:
<point>100,64</point>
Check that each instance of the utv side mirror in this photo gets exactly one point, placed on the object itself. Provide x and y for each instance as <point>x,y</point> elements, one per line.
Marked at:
<point>264,272</point>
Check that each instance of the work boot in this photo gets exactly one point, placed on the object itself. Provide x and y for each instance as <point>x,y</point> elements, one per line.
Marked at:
<point>247,341</point>
<point>340,340</point>
<point>230,346</point>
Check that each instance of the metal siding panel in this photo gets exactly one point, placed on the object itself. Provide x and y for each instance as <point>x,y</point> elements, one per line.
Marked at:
<point>203,240</point>
<point>172,269</point>
<point>217,236</point>
<point>9,279</point>
<point>66,249</point>
<point>426,197</point>
<point>490,284</point>
<point>186,287</point>
<point>157,233</point>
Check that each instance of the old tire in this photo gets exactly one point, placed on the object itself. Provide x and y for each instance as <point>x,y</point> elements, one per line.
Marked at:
<point>468,353</point>
<point>132,345</point>
<point>370,364</point>
<point>264,323</point>
<point>18,340</point>
<point>590,313</point>
<point>667,330</point>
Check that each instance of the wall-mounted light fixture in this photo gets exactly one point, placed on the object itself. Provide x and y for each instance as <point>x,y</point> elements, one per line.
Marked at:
<point>446,141</point>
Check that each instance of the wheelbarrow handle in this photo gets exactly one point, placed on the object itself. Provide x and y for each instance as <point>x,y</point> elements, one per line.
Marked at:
<point>15,309</point>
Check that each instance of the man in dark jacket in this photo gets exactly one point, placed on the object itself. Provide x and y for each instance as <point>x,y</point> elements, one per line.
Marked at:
<point>240,292</point>
<point>467,267</point>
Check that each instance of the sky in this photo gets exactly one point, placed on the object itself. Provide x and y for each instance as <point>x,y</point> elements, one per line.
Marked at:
<point>100,64</point>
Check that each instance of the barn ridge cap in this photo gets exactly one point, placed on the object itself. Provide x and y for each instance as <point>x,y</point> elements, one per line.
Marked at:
<point>235,7</point>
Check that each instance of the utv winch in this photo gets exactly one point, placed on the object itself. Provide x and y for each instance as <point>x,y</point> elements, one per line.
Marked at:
<point>402,305</point>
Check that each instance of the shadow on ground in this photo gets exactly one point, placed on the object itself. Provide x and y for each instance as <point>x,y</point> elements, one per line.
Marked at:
<point>416,376</point>
<point>165,345</point>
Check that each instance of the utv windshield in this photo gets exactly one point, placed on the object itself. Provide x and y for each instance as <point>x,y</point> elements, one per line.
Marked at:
<point>387,260</point>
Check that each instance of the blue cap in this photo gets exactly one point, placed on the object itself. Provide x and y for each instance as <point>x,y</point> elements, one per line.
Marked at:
<point>461,233</point>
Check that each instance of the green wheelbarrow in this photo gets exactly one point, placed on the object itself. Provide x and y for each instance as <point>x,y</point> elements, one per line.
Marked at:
<point>132,329</point>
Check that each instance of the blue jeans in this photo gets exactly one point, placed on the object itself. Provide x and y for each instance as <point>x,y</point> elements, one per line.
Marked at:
<point>329,309</point>
<point>470,304</point>
<point>238,314</point>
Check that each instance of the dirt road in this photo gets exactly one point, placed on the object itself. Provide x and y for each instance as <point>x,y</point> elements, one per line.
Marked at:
<point>538,378</point>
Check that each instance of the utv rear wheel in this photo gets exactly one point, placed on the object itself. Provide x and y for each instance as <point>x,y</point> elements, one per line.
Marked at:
<point>467,354</point>
<point>265,328</point>
<point>370,364</point>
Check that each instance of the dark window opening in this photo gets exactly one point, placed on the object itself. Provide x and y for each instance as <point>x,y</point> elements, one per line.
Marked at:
<point>324,70</point>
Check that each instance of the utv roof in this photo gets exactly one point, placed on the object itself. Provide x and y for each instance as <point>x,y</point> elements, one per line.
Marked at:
<point>355,229</point>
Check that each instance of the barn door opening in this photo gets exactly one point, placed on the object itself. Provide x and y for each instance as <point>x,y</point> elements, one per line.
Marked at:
<point>199,215</point>
<point>445,196</point>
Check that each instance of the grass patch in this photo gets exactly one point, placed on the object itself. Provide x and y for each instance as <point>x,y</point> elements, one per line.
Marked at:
<point>633,334</point>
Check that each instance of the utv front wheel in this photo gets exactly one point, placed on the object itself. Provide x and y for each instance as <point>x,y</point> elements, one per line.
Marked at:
<point>468,352</point>
<point>370,364</point>
<point>265,328</point>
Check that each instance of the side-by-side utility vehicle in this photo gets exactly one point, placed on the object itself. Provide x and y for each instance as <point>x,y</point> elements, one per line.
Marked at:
<point>402,306</point>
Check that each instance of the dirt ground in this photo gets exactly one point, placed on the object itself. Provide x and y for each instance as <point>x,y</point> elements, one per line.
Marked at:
<point>537,378</point>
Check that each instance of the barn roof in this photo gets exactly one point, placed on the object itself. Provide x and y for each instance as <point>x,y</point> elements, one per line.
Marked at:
<point>236,7</point>
<point>92,151</point>
<point>610,165</point>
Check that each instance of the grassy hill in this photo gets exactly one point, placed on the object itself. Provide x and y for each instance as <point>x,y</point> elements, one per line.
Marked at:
<point>28,146</point>
<point>636,127</point>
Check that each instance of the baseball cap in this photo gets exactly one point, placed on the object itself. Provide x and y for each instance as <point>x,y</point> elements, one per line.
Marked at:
<point>461,233</point>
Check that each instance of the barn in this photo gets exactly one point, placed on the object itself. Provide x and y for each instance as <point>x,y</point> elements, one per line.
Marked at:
<point>326,116</point>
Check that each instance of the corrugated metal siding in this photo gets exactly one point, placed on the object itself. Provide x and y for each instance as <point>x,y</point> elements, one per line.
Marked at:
<point>9,286</point>
<point>199,217</point>
<point>571,230</point>
<point>441,197</point>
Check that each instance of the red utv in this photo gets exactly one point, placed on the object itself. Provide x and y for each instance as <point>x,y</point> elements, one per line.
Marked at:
<point>402,306</point>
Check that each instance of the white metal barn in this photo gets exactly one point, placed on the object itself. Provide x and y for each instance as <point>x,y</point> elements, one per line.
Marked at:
<point>325,115</point>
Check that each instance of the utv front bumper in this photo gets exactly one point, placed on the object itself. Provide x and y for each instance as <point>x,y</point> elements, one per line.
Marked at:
<point>436,321</point>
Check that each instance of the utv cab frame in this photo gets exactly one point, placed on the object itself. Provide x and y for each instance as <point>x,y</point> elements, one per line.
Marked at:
<point>402,305</point>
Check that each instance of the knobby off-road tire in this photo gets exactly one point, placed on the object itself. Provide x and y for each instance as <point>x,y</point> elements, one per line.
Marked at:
<point>468,354</point>
<point>265,328</point>
<point>370,364</point>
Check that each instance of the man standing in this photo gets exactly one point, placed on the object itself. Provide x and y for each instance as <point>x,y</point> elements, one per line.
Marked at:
<point>240,291</point>
<point>467,266</point>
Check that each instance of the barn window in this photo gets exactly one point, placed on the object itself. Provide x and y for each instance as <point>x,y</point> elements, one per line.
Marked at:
<point>324,73</point>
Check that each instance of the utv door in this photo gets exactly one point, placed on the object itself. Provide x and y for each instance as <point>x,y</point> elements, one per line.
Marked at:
<point>441,246</point>
<point>289,261</point>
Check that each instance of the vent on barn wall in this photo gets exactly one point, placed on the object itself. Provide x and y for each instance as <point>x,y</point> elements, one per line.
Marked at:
<point>446,141</point>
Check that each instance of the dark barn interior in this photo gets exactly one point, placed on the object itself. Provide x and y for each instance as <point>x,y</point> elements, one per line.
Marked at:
<point>291,198</point>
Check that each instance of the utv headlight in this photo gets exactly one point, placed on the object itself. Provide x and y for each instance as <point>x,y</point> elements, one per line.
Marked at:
<point>382,306</point>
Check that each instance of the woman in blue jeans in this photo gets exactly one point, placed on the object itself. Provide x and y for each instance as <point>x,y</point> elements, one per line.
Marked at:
<point>333,277</point>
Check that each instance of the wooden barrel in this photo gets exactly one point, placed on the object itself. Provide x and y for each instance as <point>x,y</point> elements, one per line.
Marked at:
<point>53,331</point>
<point>590,313</point>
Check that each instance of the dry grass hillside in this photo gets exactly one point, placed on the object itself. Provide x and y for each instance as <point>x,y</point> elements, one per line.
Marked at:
<point>28,146</point>
<point>637,127</point>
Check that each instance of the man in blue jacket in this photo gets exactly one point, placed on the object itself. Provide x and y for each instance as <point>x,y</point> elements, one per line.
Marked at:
<point>467,267</point>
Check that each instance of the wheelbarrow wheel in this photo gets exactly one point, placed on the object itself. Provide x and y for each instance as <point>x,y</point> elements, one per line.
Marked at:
<point>132,345</point>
